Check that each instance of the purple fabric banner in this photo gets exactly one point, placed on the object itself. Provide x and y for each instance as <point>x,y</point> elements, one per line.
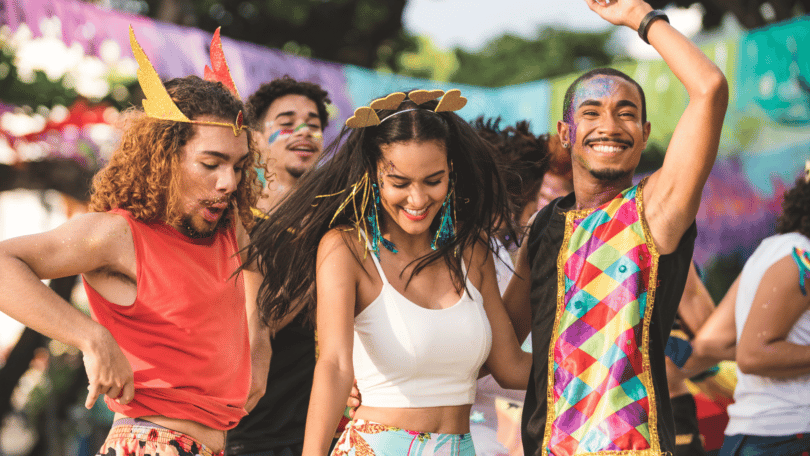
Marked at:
<point>177,51</point>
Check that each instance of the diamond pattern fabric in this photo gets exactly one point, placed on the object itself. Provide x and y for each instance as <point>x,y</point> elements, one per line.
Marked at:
<point>599,387</point>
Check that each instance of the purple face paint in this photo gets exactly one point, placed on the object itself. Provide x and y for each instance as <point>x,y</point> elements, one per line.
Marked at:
<point>595,88</point>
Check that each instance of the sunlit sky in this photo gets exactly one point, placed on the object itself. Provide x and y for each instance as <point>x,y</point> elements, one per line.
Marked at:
<point>470,24</point>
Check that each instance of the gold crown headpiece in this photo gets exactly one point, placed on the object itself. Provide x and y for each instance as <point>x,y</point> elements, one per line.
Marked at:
<point>157,102</point>
<point>366,116</point>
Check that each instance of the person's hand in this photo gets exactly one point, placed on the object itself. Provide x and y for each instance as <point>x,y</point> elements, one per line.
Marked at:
<point>354,400</point>
<point>108,370</point>
<point>621,12</point>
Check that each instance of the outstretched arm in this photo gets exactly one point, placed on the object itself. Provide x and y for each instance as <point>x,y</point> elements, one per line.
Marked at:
<point>672,193</point>
<point>336,278</point>
<point>91,242</point>
<point>717,338</point>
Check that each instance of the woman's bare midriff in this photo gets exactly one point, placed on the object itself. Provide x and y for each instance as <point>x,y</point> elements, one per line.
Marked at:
<point>212,438</point>
<point>451,419</point>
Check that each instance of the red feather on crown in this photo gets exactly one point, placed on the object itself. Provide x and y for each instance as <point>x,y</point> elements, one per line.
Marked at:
<point>219,71</point>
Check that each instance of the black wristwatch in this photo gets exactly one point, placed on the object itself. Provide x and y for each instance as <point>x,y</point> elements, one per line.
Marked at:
<point>644,27</point>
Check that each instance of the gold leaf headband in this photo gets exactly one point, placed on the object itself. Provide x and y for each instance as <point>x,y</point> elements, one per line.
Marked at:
<point>157,102</point>
<point>366,116</point>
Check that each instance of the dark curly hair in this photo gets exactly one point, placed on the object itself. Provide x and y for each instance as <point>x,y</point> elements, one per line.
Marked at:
<point>141,177</point>
<point>795,214</point>
<point>260,101</point>
<point>285,245</point>
<point>523,156</point>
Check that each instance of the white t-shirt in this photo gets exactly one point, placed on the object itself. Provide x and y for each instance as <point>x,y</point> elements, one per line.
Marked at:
<point>766,406</point>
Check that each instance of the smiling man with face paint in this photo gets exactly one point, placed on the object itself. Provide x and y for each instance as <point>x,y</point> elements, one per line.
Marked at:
<point>599,277</point>
<point>291,116</point>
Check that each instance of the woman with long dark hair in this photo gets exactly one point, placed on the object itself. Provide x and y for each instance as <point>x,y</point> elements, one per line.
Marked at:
<point>389,237</point>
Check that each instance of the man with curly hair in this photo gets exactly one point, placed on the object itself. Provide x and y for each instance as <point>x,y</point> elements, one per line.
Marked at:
<point>168,344</point>
<point>290,117</point>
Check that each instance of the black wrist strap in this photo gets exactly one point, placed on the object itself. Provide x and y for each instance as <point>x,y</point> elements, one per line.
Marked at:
<point>644,27</point>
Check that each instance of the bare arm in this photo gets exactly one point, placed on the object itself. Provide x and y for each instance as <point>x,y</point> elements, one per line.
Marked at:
<point>778,303</point>
<point>696,304</point>
<point>508,364</point>
<point>516,297</point>
<point>672,193</point>
<point>717,338</point>
<point>259,333</point>
<point>87,243</point>
<point>336,278</point>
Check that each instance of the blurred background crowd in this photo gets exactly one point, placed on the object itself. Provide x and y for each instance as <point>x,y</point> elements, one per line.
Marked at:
<point>66,74</point>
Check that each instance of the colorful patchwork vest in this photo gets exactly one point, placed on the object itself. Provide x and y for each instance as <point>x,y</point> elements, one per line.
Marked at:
<point>601,399</point>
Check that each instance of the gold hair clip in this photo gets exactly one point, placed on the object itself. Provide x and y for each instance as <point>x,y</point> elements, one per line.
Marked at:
<point>366,116</point>
<point>157,102</point>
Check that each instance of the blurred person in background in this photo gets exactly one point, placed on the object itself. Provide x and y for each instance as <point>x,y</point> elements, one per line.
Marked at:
<point>694,309</point>
<point>764,322</point>
<point>290,117</point>
<point>558,181</point>
<point>599,278</point>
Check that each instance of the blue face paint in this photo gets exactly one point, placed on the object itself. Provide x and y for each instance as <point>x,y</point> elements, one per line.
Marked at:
<point>279,134</point>
<point>286,132</point>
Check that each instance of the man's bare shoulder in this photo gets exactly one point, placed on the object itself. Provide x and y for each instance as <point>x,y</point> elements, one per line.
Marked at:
<point>108,238</point>
<point>103,229</point>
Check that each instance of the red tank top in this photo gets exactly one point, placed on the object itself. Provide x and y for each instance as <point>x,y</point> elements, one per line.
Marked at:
<point>186,335</point>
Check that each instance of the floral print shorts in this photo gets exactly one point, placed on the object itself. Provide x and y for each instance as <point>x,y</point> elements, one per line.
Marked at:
<point>365,438</point>
<point>148,439</point>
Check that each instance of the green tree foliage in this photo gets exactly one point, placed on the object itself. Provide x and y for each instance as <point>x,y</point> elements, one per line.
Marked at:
<point>345,31</point>
<point>504,61</point>
<point>514,60</point>
<point>750,13</point>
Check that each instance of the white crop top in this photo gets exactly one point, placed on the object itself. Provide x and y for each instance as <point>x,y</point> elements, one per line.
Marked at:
<point>406,355</point>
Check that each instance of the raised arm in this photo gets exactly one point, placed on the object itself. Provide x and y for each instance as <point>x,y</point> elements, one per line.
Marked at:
<point>100,243</point>
<point>673,193</point>
<point>763,348</point>
<point>336,279</point>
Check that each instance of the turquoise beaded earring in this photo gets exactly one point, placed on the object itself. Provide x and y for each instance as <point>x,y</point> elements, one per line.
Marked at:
<point>447,223</point>
<point>373,219</point>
